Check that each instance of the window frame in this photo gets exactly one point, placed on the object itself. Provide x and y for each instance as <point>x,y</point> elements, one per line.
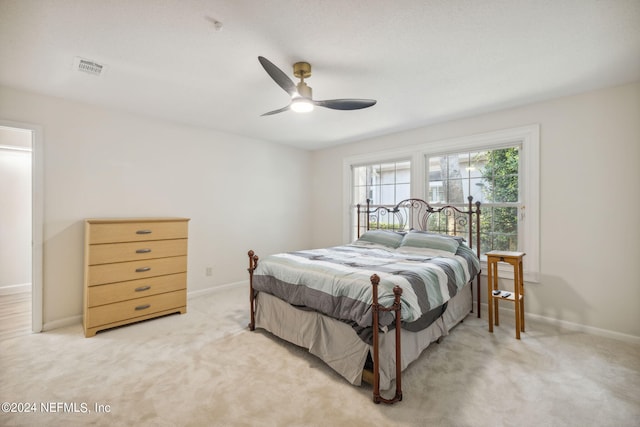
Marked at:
<point>518,205</point>
<point>528,137</point>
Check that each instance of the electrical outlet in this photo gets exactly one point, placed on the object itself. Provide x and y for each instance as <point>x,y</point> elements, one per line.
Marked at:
<point>209,271</point>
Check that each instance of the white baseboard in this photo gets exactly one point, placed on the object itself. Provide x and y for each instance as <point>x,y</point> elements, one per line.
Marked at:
<point>15,289</point>
<point>213,289</point>
<point>569,325</point>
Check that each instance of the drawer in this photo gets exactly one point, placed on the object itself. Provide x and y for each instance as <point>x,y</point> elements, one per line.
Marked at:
<point>132,270</point>
<point>132,251</point>
<point>125,310</point>
<point>114,232</point>
<point>115,292</point>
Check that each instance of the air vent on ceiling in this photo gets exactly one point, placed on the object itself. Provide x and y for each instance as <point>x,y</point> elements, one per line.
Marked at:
<point>88,66</point>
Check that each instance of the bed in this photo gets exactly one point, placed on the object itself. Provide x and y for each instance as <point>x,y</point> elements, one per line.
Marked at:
<point>370,308</point>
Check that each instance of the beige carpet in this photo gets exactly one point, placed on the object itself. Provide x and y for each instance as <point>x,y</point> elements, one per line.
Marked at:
<point>205,369</point>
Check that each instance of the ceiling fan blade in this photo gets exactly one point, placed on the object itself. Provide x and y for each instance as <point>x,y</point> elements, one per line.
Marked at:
<point>279,110</point>
<point>278,76</point>
<point>345,104</point>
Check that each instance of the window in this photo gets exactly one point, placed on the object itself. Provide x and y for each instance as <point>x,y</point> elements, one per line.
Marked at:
<point>489,176</point>
<point>500,169</point>
<point>384,184</point>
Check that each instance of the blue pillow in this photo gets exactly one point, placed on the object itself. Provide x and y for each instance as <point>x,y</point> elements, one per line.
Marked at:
<point>460,239</point>
<point>431,241</point>
<point>390,239</point>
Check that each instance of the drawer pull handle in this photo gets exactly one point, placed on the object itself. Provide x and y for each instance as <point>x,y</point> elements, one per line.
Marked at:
<point>142,288</point>
<point>142,269</point>
<point>143,251</point>
<point>143,232</point>
<point>143,307</point>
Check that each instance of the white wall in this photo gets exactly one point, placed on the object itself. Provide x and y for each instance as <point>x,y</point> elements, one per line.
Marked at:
<point>239,193</point>
<point>15,210</point>
<point>589,201</point>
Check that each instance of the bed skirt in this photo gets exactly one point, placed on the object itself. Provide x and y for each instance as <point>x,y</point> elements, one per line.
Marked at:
<point>338,345</point>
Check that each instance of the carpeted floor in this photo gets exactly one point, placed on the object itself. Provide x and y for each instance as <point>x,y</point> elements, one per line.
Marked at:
<point>205,369</point>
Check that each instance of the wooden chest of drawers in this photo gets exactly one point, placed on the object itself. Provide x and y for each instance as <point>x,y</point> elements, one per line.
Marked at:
<point>135,269</point>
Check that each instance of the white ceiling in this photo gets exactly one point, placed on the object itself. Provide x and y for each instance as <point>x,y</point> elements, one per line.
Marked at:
<point>424,61</point>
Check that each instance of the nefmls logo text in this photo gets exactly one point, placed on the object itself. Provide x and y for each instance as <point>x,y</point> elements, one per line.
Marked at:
<point>66,407</point>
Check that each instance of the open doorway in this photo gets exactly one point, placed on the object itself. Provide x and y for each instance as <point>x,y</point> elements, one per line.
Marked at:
<point>20,231</point>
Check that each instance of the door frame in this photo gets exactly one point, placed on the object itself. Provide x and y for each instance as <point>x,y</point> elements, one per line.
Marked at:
<point>37,220</point>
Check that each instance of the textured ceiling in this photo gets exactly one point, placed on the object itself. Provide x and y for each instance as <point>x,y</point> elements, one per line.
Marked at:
<point>423,61</point>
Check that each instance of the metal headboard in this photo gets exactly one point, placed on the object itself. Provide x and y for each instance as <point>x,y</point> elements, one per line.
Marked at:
<point>417,214</point>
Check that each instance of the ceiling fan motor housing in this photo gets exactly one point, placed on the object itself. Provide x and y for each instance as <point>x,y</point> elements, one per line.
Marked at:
<point>302,70</point>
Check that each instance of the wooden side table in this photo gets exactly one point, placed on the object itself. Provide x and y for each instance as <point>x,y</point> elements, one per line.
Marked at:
<point>517,296</point>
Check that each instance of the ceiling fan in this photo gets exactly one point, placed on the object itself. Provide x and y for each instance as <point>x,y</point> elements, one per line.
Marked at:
<point>301,99</point>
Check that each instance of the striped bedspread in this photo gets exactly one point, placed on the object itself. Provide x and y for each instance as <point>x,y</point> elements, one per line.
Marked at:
<point>336,281</point>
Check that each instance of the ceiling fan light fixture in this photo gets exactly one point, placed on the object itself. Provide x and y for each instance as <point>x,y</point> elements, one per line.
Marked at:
<point>301,105</point>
